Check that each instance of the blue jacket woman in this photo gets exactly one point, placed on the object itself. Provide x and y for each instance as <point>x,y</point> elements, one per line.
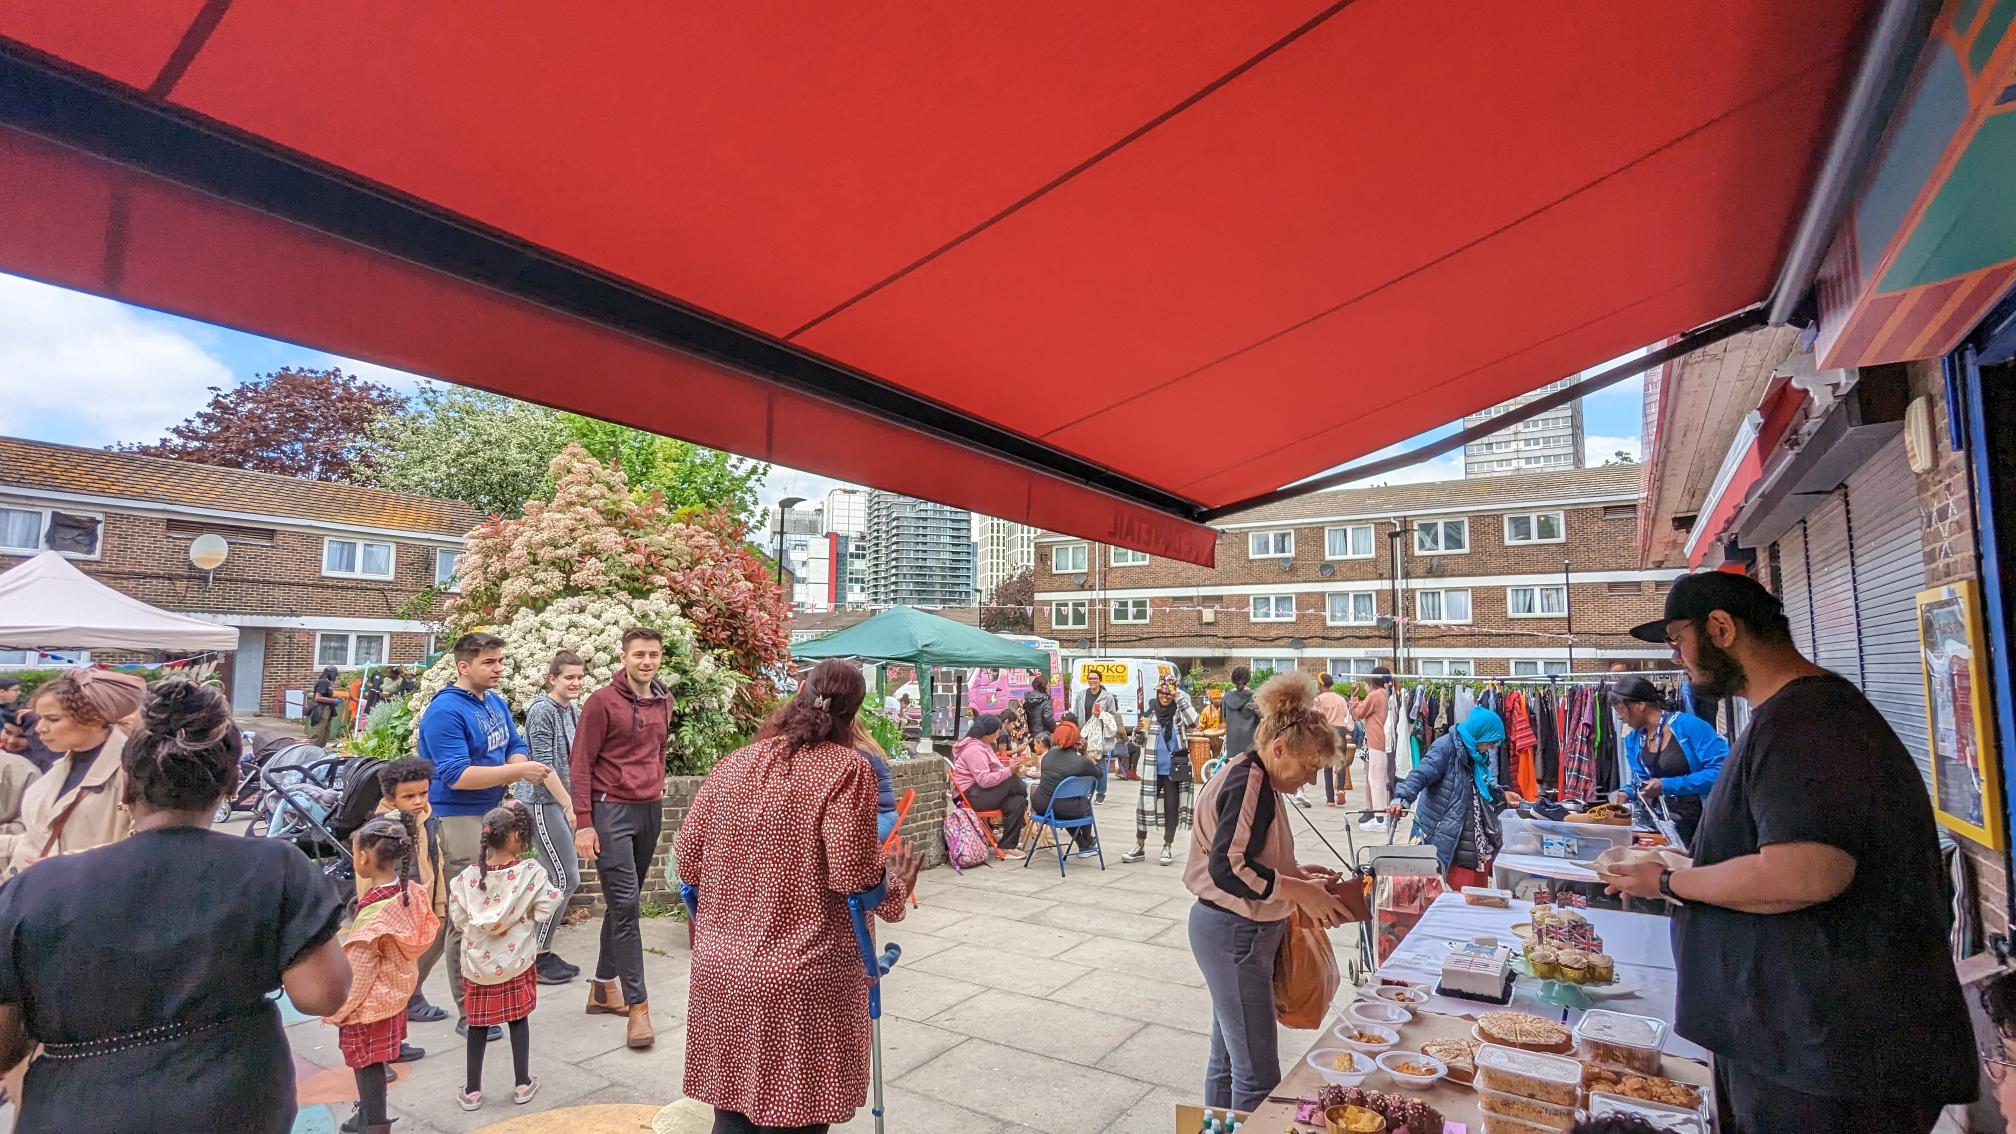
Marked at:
<point>1675,755</point>
<point>1459,797</point>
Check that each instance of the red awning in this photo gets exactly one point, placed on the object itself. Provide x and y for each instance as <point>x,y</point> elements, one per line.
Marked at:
<point>1096,267</point>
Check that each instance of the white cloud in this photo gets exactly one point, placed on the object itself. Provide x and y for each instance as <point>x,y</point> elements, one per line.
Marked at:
<point>90,371</point>
<point>1596,449</point>
<point>399,380</point>
<point>1448,466</point>
<point>810,487</point>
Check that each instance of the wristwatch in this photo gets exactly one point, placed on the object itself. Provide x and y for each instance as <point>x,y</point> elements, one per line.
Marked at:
<point>1666,887</point>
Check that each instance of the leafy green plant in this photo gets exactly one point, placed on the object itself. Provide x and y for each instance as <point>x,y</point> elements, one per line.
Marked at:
<point>885,730</point>
<point>388,732</point>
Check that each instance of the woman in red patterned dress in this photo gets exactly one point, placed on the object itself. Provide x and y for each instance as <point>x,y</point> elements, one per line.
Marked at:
<point>779,835</point>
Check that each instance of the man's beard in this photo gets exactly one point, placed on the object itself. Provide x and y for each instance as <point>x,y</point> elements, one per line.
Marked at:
<point>1725,676</point>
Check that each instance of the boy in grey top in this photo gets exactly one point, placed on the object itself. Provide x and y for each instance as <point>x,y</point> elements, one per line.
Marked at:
<point>549,734</point>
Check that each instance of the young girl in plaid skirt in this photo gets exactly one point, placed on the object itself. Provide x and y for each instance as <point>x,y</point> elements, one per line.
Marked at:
<point>395,924</point>
<point>498,903</point>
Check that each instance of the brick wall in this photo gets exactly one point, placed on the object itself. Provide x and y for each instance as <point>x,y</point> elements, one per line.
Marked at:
<point>1946,506</point>
<point>290,661</point>
<point>922,829</point>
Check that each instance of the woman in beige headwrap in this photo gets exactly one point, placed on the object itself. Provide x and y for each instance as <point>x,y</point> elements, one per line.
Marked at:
<point>80,802</point>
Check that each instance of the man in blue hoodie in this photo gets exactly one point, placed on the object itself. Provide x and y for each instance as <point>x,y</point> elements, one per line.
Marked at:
<point>478,752</point>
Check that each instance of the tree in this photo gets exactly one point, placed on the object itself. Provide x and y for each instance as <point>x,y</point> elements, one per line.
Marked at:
<point>307,424</point>
<point>1620,457</point>
<point>488,451</point>
<point>1012,606</point>
<point>686,475</point>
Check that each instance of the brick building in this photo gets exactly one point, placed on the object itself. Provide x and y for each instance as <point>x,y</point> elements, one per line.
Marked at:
<point>317,574</point>
<point>1489,576</point>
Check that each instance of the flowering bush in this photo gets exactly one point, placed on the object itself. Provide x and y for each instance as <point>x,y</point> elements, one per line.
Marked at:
<point>703,689</point>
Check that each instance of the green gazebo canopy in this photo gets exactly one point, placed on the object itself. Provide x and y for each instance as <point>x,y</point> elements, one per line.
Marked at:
<point>906,634</point>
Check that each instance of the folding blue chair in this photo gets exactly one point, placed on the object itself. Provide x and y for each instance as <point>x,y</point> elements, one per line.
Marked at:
<point>1076,787</point>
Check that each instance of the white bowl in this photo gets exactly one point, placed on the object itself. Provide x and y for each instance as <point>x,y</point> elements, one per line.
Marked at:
<point>1378,1012</point>
<point>1387,1037</point>
<point>1387,1060</point>
<point>1361,1065</point>
<point>1399,994</point>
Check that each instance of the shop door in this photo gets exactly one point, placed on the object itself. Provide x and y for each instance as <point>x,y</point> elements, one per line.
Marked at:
<point>1836,638</point>
<point>1889,573</point>
<point>1795,587</point>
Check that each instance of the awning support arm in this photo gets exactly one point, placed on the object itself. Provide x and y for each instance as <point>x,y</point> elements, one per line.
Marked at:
<point>1727,327</point>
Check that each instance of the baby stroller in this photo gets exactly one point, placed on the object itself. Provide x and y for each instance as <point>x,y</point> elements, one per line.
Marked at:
<point>317,801</point>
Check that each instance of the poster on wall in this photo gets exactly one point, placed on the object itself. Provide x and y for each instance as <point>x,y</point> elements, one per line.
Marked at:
<point>1966,789</point>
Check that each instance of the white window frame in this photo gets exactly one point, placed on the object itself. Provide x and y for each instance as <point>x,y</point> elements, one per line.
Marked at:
<point>350,641</point>
<point>1538,667</point>
<point>450,582</point>
<point>1274,549</point>
<point>1330,612</point>
<point>1537,591</point>
<point>1533,528</point>
<point>391,559</point>
<point>42,535</point>
<point>1131,607</point>
<point>1273,606</point>
<point>1060,607</point>
<point>1371,541</point>
<point>1447,667</point>
<point>1442,601</point>
<point>1442,527</point>
<point>1057,556</point>
<point>1288,665</point>
<point>1128,557</point>
<point>1350,667</point>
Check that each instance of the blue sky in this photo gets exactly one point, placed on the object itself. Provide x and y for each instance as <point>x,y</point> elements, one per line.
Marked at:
<point>81,370</point>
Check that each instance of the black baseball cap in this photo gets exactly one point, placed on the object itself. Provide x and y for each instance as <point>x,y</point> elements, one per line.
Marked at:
<point>1697,595</point>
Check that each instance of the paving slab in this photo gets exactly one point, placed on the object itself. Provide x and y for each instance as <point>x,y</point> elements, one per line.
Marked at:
<point>1016,936</point>
<point>1102,922</point>
<point>1171,1057</point>
<point>914,994</point>
<point>1177,936</point>
<point>1140,998</point>
<point>1105,897</point>
<point>1177,907</point>
<point>1009,877</point>
<point>996,968</point>
<point>1016,1086</point>
<point>916,946</point>
<point>1150,878</point>
<point>908,1044</point>
<point>973,899</point>
<point>1061,1031</point>
<point>907,1112</point>
<point>930,917</point>
<point>1156,961</point>
<point>1156,1112</point>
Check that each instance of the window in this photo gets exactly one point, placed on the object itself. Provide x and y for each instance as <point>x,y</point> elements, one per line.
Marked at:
<point>1535,527</point>
<point>36,659</point>
<point>350,649</point>
<point>1448,667</point>
<point>1130,610</point>
<point>1624,588</point>
<point>1068,559</point>
<point>1353,608</point>
<point>1524,667</point>
<point>1536,602</point>
<point>1350,667</point>
<point>1620,511</point>
<point>26,531</point>
<point>1442,606</point>
<point>1123,557</point>
<point>356,559</point>
<point>1277,544</point>
<point>1273,608</point>
<point>1353,542</point>
<point>1068,615</point>
<point>445,562</point>
<point>1273,665</point>
<point>1442,537</point>
<point>20,530</point>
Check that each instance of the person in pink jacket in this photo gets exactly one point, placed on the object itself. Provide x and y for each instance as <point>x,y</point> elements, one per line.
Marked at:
<point>989,784</point>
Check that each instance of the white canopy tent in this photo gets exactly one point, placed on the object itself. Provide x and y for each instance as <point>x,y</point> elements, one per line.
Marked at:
<point>46,604</point>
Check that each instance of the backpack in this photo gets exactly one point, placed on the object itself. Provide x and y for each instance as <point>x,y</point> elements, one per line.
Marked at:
<point>965,843</point>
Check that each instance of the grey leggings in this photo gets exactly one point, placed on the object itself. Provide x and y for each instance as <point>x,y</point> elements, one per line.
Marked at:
<point>1237,957</point>
<point>554,839</point>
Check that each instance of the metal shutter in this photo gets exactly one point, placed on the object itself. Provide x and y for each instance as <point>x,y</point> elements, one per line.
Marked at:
<point>1889,573</point>
<point>1836,637</point>
<point>1793,588</point>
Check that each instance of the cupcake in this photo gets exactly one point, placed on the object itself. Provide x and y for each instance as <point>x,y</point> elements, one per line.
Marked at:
<point>1575,966</point>
<point>1545,963</point>
<point>1602,970</point>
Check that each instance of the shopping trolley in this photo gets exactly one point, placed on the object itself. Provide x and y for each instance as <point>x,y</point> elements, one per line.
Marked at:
<point>1401,880</point>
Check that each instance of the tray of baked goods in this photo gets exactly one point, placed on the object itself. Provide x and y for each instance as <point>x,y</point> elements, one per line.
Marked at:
<point>1561,949</point>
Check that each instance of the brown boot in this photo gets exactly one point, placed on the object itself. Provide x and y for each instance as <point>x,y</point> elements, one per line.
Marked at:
<point>604,996</point>
<point>640,1034</point>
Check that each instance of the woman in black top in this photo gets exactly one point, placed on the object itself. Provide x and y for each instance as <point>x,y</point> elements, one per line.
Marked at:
<point>1061,761</point>
<point>143,967</point>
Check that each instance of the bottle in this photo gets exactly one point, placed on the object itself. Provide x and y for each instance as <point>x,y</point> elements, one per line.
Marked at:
<point>1210,1123</point>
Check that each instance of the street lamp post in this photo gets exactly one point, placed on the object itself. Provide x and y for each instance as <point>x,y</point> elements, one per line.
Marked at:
<point>784,507</point>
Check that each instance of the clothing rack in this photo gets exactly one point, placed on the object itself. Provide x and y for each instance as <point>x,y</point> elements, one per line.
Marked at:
<point>1541,680</point>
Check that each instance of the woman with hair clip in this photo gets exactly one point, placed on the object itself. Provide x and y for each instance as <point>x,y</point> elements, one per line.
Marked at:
<point>143,967</point>
<point>778,836</point>
<point>395,924</point>
<point>1243,871</point>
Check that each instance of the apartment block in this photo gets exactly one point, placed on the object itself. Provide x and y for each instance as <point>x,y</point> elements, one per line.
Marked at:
<point>1548,441</point>
<point>918,553</point>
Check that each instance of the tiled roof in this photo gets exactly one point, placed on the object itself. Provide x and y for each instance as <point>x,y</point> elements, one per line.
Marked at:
<point>129,476</point>
<point>1483,492</point>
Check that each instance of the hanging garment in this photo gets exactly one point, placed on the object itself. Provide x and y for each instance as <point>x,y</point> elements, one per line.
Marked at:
<point>1578,762</point>
<point>1522,742</point>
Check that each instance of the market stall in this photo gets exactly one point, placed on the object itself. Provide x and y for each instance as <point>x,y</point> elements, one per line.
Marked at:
<point>926,641</point>
<point>47,603</point>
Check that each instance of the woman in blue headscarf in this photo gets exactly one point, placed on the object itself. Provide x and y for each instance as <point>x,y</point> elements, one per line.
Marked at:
<point>1459,798</point>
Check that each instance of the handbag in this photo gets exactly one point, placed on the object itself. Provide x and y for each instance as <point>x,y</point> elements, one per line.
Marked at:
<point>1305,974</point>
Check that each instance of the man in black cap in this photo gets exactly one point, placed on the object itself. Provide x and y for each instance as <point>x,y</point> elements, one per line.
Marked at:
<point>1810,933</point>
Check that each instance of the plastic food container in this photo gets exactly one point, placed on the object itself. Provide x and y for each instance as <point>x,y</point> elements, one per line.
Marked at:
<point>1500,1124</point>
<point>1532,1112</point>
<point>1667,1118</point>
<point>1577,842</point>
<point>1324,1061</point>
<point>1621,1039</point>
<point>1347,1033</point>
<point>1601,1077</point>
<point>1553,1079</point>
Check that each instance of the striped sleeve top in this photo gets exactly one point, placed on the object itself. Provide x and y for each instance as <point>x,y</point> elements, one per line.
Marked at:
<point>1240,842</point>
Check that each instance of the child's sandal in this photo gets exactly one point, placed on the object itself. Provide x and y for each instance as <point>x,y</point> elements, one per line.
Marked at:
<point>523,1093</point>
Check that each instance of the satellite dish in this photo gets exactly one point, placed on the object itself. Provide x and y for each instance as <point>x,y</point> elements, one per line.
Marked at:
<point>1297,644</point>
<point>208,551</point>
<point>1327,570</point>
<point>1287,565</point>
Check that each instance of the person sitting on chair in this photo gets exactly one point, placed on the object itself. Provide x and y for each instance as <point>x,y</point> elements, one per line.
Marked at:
<point>1061,760</point>
<point>990,784</point>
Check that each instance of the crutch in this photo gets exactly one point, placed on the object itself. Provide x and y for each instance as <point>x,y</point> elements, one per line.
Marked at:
<point>861,907</point>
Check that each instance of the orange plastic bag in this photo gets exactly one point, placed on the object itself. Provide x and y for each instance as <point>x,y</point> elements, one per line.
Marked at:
<point>1305,974</point>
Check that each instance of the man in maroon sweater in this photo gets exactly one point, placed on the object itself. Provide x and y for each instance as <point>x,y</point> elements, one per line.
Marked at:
<point>618,774</point>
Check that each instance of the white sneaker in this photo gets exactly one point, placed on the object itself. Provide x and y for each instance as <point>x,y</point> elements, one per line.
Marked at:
<point>1167,857</point>
<point>1300,802</point>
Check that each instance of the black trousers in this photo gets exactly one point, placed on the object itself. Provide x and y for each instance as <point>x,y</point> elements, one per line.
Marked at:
<point>1748,1103</point>
<point>729,1122</point>
<point>629,835</point>
<point>1011,798</point>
